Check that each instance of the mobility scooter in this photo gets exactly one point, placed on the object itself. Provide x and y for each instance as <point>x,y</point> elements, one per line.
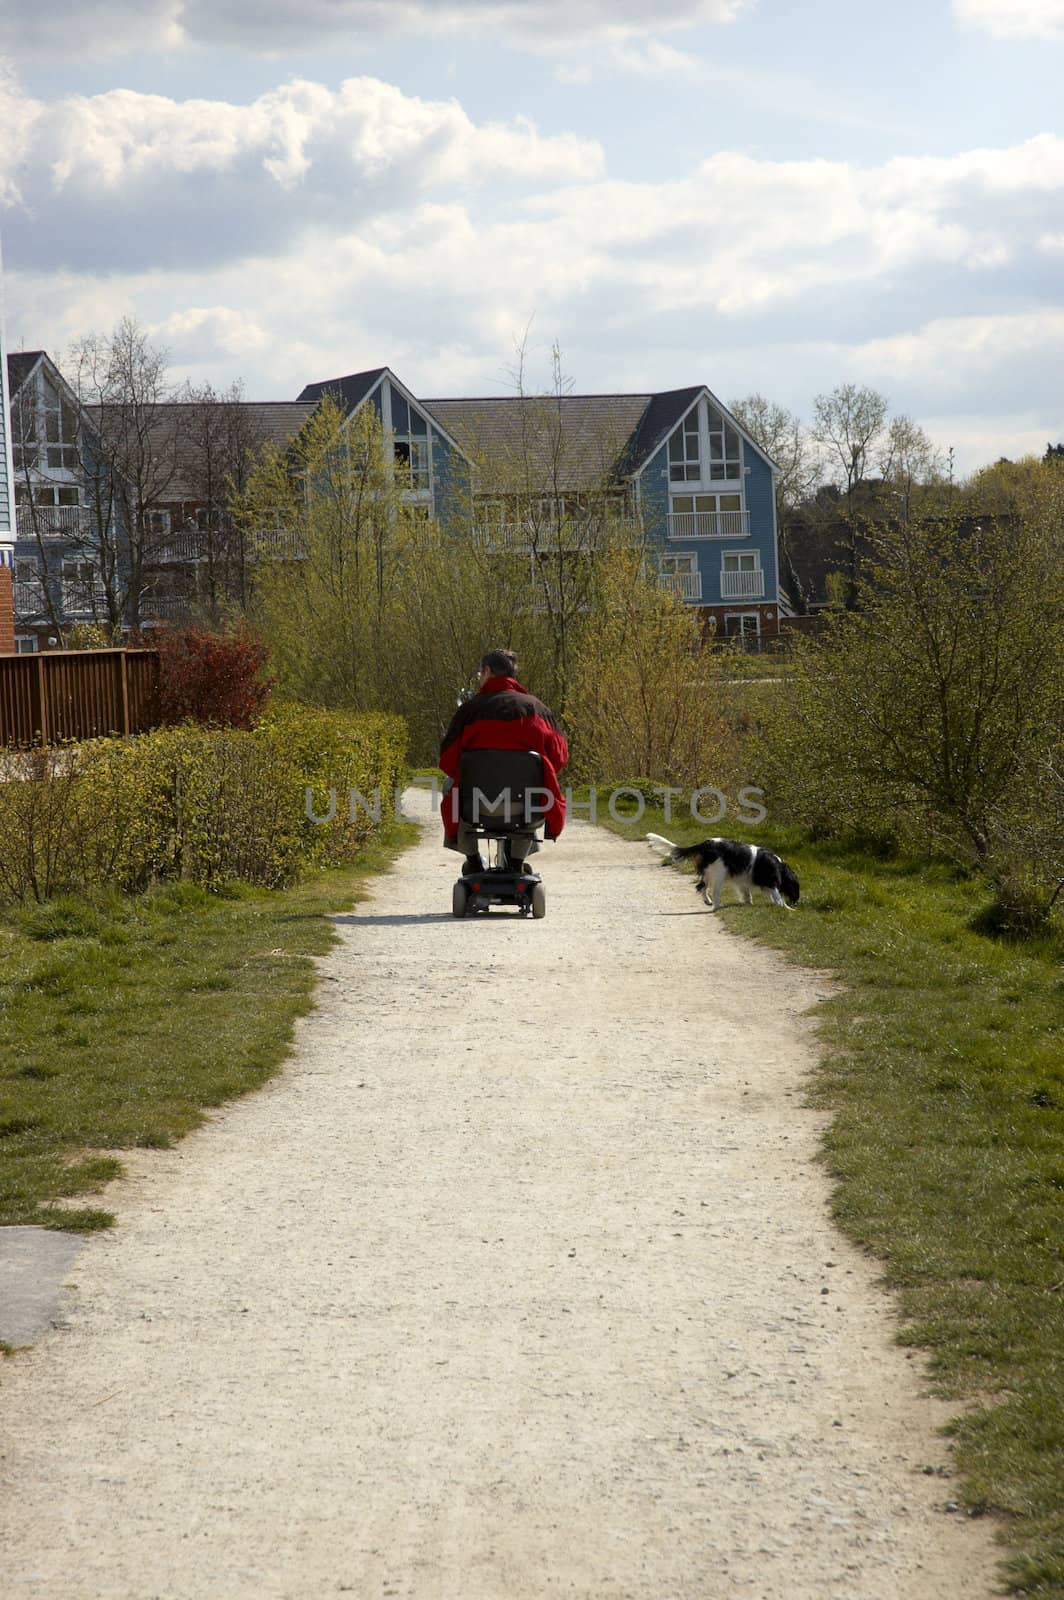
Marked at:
<point>501,795</point>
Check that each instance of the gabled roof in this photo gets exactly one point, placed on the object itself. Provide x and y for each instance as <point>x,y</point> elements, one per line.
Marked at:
<point>349,392</point>
<point>19,366</point>
<point>530,443</point>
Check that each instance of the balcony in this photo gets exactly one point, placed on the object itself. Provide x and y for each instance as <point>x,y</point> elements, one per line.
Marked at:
<point>709,524</point>
<point>53,522</point>
<point>688,585</point>
<point>743,585</point>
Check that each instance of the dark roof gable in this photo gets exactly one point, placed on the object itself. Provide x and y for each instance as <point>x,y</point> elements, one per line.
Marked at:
<point>19,366</point>
<point>349,392</point>
<point>661,416</point>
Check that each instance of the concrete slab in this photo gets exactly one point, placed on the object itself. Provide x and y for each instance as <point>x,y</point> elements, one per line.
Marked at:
<point>34,1263</point>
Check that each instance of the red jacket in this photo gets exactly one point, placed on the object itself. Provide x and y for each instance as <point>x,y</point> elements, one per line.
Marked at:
<point>503,716</point>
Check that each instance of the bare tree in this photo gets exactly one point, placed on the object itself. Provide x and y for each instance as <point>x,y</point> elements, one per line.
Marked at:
<point>219,446</point>
<point>849,425</point>
<point>129,458</point>
<point>787,442</point>
<point>908,461</point>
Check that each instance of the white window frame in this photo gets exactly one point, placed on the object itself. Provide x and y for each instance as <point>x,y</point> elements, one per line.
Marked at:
<point>671,564</point>
<point>685,467</point>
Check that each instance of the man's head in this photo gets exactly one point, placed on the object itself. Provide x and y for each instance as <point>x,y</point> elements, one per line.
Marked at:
<point>498,664</point>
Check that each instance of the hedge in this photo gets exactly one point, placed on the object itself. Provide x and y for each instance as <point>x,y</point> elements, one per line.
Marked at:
<point>205,805</point>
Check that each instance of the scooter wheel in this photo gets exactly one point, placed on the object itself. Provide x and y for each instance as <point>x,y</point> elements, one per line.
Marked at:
<point>459,899</point>
<point>539,901</point>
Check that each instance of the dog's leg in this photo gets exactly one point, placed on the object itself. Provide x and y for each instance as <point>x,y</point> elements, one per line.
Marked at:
<point>720,873</point>
<point>746,889</point>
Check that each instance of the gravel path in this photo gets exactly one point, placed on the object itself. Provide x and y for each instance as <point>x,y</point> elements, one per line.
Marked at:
<point>518,1282</point>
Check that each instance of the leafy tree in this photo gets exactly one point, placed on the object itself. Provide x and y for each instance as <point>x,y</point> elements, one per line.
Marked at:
<point>930,707</point>
<point>637,706</point>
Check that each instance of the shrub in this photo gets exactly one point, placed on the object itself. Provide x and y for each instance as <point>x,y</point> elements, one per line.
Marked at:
<point>338,752</point>
<point>218,679</point>
<point>204,805</point>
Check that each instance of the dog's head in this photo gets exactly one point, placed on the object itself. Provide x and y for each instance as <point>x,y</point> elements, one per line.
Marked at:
<point>789,883</point>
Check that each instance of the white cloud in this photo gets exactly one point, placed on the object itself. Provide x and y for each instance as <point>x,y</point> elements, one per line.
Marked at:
<point>111,27</point>
<point>315,231</point>
<point>1041,19</point>
<point>124,179</point>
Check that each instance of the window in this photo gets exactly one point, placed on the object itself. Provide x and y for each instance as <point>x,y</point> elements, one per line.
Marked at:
<point>413,446</point>
<point>79,572</point>
<point>26,572</point>
<point>672,566</point>
<point>47,494</point>
<point>25,644</point>
<point>745,626</point>
<point>60,428</point>
<point>413,464</point>
<point>157,522</point>
<point>725,453</point>
<point>684,461</point>
<point>740,561</point>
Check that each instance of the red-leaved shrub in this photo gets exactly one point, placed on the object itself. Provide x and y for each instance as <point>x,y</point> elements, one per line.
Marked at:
<point>218,679</point>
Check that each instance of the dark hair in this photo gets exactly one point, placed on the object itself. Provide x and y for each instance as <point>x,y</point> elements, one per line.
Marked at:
<point>500,663</point>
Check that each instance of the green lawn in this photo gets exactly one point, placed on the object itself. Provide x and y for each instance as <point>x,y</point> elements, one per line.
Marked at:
<point>123,1019</point>
<point>943,1065</point>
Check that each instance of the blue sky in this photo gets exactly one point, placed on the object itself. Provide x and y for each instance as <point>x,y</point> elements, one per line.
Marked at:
<point>745,193</point>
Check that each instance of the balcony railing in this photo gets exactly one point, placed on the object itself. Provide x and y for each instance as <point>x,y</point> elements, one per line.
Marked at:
<point>53,522</point>
<point>709,524</point>
<point>29,599</point>
<point>165,605</point>
<point>179,547</point>
<point>742,585</point>
<point>84,599</point>
<point>276,544</point>
<point>686,584</point>
<point>520,536</point>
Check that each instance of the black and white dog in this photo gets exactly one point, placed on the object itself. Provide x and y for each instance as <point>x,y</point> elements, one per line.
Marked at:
<point>721,861</point>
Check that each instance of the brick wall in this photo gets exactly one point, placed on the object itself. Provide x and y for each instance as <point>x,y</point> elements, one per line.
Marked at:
<point>7,613</point>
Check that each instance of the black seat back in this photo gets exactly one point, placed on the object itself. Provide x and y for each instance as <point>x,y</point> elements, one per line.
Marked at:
<point>502,791</point>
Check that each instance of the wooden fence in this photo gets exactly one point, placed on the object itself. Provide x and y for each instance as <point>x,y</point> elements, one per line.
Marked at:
<point>77,694</point>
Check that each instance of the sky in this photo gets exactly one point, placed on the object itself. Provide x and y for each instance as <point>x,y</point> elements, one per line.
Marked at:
<point>752,194</point>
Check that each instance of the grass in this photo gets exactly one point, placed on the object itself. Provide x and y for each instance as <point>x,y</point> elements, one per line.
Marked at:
<point>123,1020</point>
<point>943,1066</point>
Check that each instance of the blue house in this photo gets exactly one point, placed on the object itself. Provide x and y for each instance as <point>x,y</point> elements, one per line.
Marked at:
<point>534,473</point>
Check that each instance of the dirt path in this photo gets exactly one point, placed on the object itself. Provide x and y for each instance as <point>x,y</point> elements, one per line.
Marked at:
<point>519,1282</point>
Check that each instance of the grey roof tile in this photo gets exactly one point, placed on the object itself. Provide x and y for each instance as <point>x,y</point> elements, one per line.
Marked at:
<point>534,443</point>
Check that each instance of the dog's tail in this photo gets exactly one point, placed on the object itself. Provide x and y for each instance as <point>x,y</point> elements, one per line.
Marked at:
<point>789,883</point>
<point>665,847</point>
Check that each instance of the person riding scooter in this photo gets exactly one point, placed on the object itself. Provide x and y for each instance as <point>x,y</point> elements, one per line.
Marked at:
<point>502,715</point>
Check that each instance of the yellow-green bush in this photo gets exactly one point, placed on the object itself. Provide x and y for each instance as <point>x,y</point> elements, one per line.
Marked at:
<point>206,805</point>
